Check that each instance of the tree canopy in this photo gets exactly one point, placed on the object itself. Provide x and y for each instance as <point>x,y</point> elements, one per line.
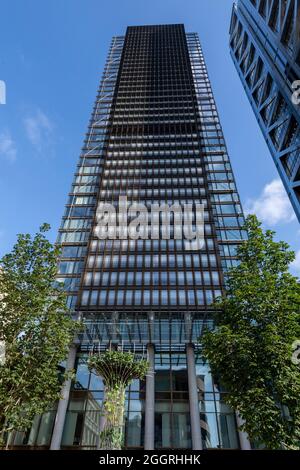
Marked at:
<point>118,369</point>
<point>250,349</point>
<point>36,329</point>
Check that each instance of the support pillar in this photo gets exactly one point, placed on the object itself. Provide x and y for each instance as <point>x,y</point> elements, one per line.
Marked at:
<point>193,398</point>
<point>188,327</point>
<point>114,329</point>
<point>63,403</point>
<point>243,436</point>
<point>150,400</point>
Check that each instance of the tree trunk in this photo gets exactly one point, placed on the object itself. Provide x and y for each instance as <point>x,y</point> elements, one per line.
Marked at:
<point>111,438</point>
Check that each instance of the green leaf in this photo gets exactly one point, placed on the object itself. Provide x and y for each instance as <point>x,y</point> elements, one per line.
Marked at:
<point>36,327</point>
<point>250,347</point>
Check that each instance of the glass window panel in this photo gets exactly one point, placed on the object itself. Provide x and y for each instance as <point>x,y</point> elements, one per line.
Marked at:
<point>94,298</point>
<point>120,297</point>
<point>73,428</point>
<point>228,434</point>
<point>181,431</point>
<point>209,430</point>
<point>173,297</point>
<point>82,374</point>
<point>182,297</point>
<point>155,297</point>
<point>45,428</point>
<point>111,297</point>
<point>191,297</point>
<point>137,297</point>
<point>146,297</point>
<point>129,297</point>
<point>200,297</point>
<point>134,430</point>
<point>91,425</point>
<point>102,297</point>
<point>209,296</point>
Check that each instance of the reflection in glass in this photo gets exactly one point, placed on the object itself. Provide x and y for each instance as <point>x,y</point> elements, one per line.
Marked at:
<point>172,417</point>
<point>218,425</point>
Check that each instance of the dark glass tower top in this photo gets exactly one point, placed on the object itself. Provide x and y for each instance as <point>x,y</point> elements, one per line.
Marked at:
<point>154,137</point>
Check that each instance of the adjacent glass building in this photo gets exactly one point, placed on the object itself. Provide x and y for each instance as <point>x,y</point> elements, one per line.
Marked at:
<point>155,137</point>
<point>265,47</point>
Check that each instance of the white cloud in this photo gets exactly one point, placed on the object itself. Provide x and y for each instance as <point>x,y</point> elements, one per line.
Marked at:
<point>273,205</point>
<point>296,264</point>
<point>38,129</point>
<point>8,148</point>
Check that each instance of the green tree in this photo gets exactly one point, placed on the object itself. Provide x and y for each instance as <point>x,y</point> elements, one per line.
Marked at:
<point>118,369</point>
<point>36,329</point>
<point>250,349</point>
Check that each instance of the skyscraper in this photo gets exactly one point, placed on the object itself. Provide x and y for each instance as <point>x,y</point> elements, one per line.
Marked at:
<point>265,47</point>
<point>154,137</point>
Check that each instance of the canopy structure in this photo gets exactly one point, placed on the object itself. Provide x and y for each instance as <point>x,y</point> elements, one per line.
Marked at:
<point>134,331</point>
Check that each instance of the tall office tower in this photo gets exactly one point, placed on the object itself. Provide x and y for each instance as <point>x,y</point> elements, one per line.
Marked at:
<point>265,47</point>
<point>155,137</point>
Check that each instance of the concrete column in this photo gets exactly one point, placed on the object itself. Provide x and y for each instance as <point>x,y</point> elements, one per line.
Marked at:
<point>193,397</point>
<point>63,403</point>
<point>188,326</point>
<point>151,318</point>
<point>150,400</point>
<point>243,436</point>
<point>114,320</point>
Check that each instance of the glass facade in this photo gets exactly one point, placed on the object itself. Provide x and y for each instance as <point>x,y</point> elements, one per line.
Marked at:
<point>265,45</point>
<point>155,137</point>
<point>172,417</point>
<point>218,426</point>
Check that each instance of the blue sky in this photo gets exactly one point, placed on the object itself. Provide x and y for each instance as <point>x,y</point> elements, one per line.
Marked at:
<point>52,54</point>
